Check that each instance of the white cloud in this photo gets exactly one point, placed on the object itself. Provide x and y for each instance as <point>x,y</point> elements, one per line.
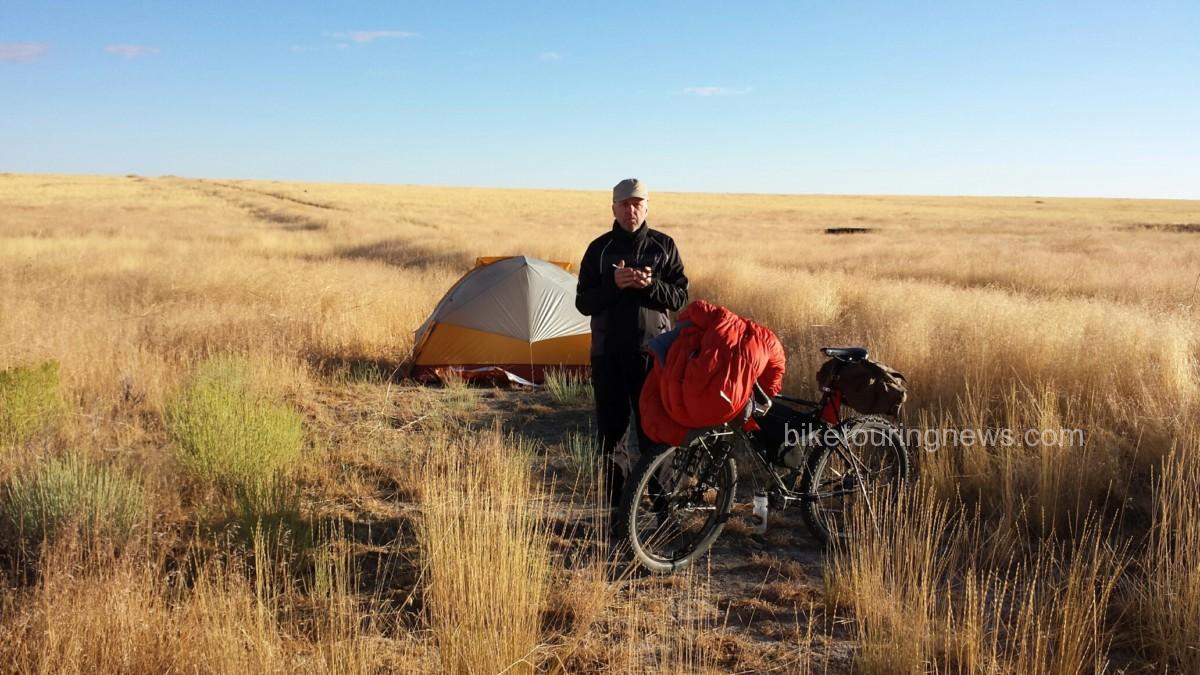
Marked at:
<point>22,52</point>
<point>131,51</point>
<point>549,56</point>
<point>364,36</point>
<point>715,91</point>
<point>346,39</point>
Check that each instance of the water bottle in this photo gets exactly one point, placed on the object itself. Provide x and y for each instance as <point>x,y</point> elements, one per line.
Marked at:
<point>760,512</point>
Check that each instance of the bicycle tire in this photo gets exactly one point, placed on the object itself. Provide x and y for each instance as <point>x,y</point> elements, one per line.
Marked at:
<point>644,489</point>
<point>826,468</point>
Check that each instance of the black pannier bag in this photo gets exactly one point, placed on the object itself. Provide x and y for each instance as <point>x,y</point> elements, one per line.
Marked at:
<point>782,433</point>
<point>869,387</point>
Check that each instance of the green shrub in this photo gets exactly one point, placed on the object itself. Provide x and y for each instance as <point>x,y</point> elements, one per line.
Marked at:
<point>230,433</point>
<point>72,492</point>
<point>30,401</point>
<point>568,388</point>
<point>580,450</point>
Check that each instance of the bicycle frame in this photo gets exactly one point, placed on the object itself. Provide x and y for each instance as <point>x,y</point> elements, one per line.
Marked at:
<point>828,411</point>
<point>833,466</point>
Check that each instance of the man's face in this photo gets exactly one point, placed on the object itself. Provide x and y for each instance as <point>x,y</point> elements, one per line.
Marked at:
<point>630,213</point>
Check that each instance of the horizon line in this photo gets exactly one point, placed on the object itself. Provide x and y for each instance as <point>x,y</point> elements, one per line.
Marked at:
<point>461,186</point>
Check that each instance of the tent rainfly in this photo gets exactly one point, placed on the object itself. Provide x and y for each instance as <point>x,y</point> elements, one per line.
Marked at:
<point>509,318</point>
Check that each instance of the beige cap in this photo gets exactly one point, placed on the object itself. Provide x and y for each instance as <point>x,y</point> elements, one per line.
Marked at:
<point>630,187</point>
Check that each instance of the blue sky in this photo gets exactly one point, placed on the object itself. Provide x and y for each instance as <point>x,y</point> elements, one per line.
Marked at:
<point>1069,98</point>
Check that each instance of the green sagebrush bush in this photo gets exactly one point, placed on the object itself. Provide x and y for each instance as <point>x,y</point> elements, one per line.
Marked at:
<point>231,433</point>
<point>52,498</point>
<point>30,401</point>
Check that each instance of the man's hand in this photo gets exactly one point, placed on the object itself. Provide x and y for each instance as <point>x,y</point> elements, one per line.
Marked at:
<point>643,278</point>
<point>629,277</point>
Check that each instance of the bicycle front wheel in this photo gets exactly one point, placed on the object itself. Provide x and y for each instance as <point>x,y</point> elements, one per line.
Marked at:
<point>675,505</point>
<point>854,472</point>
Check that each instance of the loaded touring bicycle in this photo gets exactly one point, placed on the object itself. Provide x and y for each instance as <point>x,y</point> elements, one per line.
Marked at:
<point>677,499</point>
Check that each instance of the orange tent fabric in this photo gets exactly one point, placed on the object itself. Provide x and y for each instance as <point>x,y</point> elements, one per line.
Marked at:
<point>510,313</point>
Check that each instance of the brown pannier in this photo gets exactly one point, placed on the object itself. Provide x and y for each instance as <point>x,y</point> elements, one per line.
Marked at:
<point>869,387</point>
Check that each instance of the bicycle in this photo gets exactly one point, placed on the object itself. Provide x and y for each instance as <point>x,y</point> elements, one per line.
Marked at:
<point>677,499</point>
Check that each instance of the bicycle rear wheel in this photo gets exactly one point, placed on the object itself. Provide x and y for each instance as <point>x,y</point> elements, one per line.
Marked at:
<point>675,505</point>
<point>855,473</point>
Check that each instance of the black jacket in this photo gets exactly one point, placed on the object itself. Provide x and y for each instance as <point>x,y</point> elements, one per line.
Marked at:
<point>623,320</point>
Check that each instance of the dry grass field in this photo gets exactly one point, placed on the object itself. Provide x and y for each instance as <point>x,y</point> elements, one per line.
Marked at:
<point>206,466</point>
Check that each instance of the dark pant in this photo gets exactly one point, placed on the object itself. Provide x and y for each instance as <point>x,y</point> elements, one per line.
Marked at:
<point>617,383</point>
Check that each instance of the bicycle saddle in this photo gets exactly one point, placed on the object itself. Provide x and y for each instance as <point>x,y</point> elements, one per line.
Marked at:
<point>848,354</point>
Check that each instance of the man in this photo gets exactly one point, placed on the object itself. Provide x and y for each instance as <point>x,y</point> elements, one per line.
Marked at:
<point>629,279</point>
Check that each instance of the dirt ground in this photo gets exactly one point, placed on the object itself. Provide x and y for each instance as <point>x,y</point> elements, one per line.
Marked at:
<point>751,603</point>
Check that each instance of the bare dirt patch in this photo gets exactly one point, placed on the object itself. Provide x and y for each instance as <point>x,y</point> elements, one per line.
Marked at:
<point>1188,228</point>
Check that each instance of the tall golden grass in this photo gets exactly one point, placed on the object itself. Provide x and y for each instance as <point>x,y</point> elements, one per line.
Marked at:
<point>245,613</point>
<point>929,594</point>
<point>1166,598</point>
<point>1019,313</point>
<point>485,543</point>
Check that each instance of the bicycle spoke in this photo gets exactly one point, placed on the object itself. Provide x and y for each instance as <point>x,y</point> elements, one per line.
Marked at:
<point>678,506</point>
<point>851,475</point>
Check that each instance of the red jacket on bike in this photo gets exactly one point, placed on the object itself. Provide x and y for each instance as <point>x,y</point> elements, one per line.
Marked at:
<point>708,374</point>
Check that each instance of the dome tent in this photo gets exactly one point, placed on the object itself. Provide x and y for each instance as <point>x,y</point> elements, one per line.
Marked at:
<point>510,317</point>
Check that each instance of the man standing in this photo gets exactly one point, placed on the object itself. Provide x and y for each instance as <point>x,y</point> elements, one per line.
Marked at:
<point>629,279</point>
